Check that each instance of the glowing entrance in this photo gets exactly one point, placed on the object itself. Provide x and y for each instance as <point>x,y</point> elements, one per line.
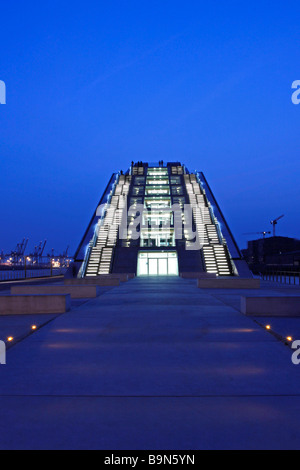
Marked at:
<point>158,263</point>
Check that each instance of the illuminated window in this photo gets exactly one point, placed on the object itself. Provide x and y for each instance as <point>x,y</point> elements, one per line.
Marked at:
<point>175,180</point>
<point>157,202</point>
<point>138,190</point>
<point>160,180</point>
<point>158,218</point>
<point>139,180</point>
<point>157,172</point>
<point>157,191</point>
<point>177,190</point>
<point>134,201</point>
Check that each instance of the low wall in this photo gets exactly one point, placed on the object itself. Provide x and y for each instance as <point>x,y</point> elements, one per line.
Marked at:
<point>229,283</point>
<point>96,281</point>
<point>34,304</point>
<point>123,277</point>
<point>271,306</point>
<point>199,275</point>
<point>76,292</point>
<point>5,285</point>
<point>131,276</point>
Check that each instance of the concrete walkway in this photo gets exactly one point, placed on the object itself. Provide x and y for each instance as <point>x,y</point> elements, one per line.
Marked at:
<point>152,364</point>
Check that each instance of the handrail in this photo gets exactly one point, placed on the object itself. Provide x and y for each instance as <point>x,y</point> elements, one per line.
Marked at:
<point>83,267</point>
<point>203,180</point>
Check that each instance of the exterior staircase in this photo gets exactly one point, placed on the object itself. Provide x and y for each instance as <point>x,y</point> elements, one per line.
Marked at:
<point>101,256</point>
<point>215,253</point>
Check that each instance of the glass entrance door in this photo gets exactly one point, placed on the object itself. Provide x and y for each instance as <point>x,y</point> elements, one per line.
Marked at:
<point>158,263</point>
<point>153,267</point>
<point>163,266</point>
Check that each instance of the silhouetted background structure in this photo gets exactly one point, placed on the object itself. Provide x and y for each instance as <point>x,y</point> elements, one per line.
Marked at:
<point>273,254</point>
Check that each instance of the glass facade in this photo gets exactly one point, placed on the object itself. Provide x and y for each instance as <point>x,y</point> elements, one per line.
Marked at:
<point>157,230</point>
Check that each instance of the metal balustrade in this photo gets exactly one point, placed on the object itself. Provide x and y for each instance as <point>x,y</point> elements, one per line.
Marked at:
<point>282,277</point>
<point>19,274</point>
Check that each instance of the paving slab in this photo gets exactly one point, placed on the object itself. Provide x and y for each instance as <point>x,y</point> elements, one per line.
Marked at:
<point>170,367</point>
<point>18,326</point>
<point>160,423</point>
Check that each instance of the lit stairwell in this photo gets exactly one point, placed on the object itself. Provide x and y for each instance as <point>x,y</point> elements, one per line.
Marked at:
<point>214,250</point>
<point>222,261</point>
<point>101,255</point>
<point>210,260</point>
<point>93,264</point>
<point>105,262</point>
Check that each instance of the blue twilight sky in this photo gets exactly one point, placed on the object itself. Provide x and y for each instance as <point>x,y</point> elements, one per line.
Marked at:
<point>92,86</point>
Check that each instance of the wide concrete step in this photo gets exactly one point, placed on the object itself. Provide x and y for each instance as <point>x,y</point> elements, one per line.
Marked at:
<point>76,292</point>
<point>34,304</point>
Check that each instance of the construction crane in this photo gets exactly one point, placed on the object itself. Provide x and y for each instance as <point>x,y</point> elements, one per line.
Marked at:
<point>51,255</point>
<point>38,252</point>
<point>42,249</point>
<point>274,223</point>
<point>25,246</point>
<point>35,254</point>
<point>258,233</point>
<point>65,256</point>
<point>19,251</point>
